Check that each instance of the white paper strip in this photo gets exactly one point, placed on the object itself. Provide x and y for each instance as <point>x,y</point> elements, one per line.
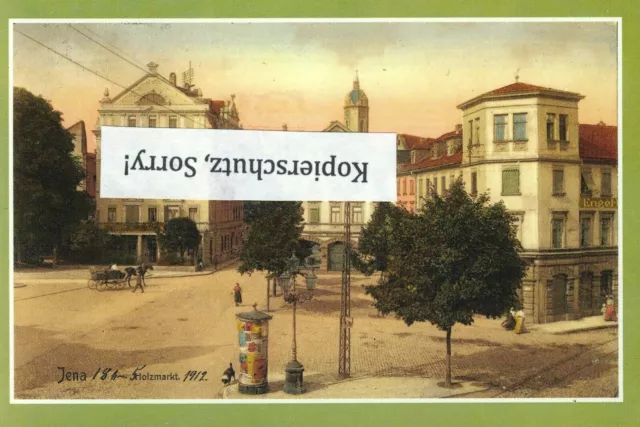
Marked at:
<point>208,164</point>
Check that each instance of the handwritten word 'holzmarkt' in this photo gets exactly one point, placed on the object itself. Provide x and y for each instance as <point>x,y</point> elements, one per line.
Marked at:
<point>257,167</point>
<point>111,374</point>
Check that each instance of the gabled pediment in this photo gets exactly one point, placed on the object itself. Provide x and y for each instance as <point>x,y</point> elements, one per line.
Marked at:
<point>336,126</point>
<point>401,144</point>
<point>153,90</point>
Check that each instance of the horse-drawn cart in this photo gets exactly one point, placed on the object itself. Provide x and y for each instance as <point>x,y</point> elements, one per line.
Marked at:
<point>106,279</point>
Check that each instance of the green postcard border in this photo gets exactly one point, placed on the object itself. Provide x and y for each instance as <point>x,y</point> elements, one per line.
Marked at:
<point>626,413</point>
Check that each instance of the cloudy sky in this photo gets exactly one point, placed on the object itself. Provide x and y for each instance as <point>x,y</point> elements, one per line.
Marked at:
<point>414,73</point>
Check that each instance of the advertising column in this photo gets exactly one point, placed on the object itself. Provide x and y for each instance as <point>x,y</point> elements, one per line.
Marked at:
<point>253,334</point>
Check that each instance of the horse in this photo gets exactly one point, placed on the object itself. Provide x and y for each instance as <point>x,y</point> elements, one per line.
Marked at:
<point>134,271</point>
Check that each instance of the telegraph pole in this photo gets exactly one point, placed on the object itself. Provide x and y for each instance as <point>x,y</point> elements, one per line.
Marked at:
<point>344,368</point>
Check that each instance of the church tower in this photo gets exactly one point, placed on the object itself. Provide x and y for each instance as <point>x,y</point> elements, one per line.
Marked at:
<point>356,109</point>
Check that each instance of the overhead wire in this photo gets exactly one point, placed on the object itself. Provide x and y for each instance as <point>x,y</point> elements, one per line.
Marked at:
<point>101,76</point>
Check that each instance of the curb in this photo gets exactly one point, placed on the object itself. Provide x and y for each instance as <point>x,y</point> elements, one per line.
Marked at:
<point>590,328</point>
<point>206,273</point>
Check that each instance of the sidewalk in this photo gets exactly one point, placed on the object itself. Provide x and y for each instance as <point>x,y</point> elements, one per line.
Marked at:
<point>571,326</point>
<point>322,386</point>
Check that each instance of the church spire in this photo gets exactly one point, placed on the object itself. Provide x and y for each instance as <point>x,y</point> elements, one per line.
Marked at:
<point>356,82</point>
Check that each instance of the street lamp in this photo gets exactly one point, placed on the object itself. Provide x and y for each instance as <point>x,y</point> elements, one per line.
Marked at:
<point>294,369</point>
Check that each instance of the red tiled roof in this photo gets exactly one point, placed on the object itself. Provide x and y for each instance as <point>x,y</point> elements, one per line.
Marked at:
<point>449,135</point>
<point>216,106</point>
<point>416,142</point>
<point>429,162</point>
<point>521,88</point>
<point>598,142</point>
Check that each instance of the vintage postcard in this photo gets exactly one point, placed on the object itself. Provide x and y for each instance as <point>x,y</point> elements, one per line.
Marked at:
<point>473,255</point>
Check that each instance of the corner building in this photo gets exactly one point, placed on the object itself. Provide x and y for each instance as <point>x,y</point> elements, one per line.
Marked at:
<point>154,101</point>
<point>524,145</point>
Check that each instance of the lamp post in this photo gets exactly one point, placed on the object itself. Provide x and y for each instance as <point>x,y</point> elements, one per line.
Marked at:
<point>294,369</point>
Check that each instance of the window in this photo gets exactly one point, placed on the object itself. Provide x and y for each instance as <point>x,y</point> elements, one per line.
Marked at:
<point>520,127</point>
<point>511,182</point>
<point>132,213</point>
<point>152,214</point>
<point>477,134</point>
<point>412,185</point>
<point>173,121</point>
<point>558,181</point>
<point>435,185</point>
<point>398,185</point>
<point>551,127</point>
<point>335,214</point>
<point>443,182</point>
<point>557,231</point>
<point>452,179</point>
<point>606,183</point>
<point>606,284</point>
<point>132,122</point>
<point>193,214</point>
<point>586,183</point>
<point>500,127</point>
<point>404,187</point>
<point>171,212</point>
<point>111,215</point>
<point>606,228</point>
<point>474,183</point>
<point>563,127</point>
<point>518,220</point>
<point>471,138</point>
<point>558,227</point>
<point>585,229</point>
<point>314,214</point>
<point>153,121</point>
<point>356,214</point>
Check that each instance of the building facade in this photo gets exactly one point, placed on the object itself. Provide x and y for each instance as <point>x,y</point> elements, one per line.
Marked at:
<point>523,145</point>
<point>154,101</point>
<point>324,220</point>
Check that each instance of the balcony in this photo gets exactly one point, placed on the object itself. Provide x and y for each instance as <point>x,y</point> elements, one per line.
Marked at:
<point>330,227</point>
<point>142,227</point>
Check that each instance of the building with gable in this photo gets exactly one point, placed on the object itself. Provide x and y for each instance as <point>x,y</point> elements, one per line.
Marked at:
<point>154,101</point>
<point>523,145</point>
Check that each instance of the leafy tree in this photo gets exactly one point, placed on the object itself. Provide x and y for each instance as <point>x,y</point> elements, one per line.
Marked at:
<point>274,233</point>
<point>180,235</point>
<point>46,177</point>
<point>456,258</point>
<point>374,243</point>
<point>86,242</point>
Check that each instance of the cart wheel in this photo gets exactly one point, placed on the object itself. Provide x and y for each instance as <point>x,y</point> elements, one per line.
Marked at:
<point>92,284</point>
<point>101,286</point>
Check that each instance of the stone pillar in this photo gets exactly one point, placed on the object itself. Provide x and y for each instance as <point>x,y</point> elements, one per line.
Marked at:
<point>139,249</point>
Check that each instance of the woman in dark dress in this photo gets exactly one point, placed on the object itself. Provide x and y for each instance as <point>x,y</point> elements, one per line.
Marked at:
<point>237,294</point>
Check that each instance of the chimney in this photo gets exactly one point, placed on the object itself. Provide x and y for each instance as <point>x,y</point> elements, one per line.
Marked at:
<point>172,78</point>
<point>153,68</point>
<point>284,127</point>
<point>458,128</point>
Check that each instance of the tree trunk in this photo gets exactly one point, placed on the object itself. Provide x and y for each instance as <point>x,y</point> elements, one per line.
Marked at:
<point>275,283</point>
<point>448,377</point>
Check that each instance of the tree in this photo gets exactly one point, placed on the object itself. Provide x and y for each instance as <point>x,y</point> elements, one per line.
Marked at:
<point>46,177</point>
<point>180,235</point>
<point>274,233</point>
<point>456,258</point>
<point>373,245</point>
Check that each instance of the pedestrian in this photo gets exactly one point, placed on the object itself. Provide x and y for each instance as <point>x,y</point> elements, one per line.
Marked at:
<point>510,323</point>
<point>139,275</point>
<point>237,294</point>
<point>610,314</point>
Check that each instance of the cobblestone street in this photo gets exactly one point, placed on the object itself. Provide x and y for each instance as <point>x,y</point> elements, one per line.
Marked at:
<point>188,323</point>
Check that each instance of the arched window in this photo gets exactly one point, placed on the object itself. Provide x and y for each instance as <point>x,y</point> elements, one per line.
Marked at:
<point>152,99</point>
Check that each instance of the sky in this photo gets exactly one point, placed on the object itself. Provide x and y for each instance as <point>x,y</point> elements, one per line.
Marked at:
<point>298,73</point>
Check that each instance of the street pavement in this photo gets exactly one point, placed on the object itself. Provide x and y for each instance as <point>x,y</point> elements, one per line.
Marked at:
<point>182,327</point>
